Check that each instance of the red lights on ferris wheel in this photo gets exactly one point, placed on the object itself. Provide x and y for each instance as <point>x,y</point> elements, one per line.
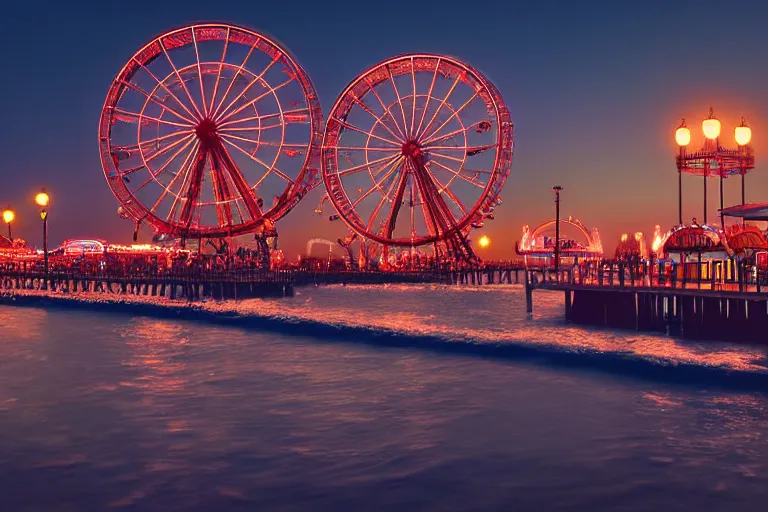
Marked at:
<point>214,130</point>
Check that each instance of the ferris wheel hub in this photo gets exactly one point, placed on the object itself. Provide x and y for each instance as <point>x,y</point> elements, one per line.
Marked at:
<point>412,149</point>
<point>206,131</point>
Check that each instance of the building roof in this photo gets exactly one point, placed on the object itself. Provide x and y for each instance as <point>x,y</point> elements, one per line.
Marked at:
<point>758,211</point>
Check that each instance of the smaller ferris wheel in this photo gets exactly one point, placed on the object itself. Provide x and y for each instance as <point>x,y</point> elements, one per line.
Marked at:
<point>210,131</point>
<point>416,150</point>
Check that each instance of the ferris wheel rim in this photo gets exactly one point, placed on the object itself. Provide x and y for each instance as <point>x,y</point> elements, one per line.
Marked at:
<point>499,173</point>
<point>301,181</point>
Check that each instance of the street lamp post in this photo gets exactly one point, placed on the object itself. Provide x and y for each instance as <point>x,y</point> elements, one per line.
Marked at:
<point>43,200</point>
<point>8,216</point>
<point>557,189</point>
<point>712,156</point>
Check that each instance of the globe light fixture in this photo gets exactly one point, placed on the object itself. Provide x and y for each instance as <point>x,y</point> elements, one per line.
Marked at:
<point>711,126</point>
<point>8,216</point>
<point>742,133</point>
<point>682,135</point>
<point>42,199</point>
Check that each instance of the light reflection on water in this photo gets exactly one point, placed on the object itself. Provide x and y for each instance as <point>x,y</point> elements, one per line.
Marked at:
<point>111,411</point>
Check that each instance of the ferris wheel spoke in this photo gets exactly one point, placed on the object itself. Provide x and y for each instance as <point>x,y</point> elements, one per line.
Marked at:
<point>154,174</point>
<point>182,82</point>
<point>270,169</point>
<point>440,106</point>
<point>186,171</point>
<point>397,202</point>
<point>252,128</point>
<point>458,174</point>
<point>370,112</point>
<point>223,116</point>
<point>413,103</point>
<point>167,148</point>
<point>453,115</point>
<point>272,90</point>
<point>361,167</point>
<point>384,198</point>
<point>430,149</point>
<point>221,192</point>
<point>360,130</point>
<point>476,150</point>
<point>386,110</point>
<point>429,97</point>
<point>218,73</point>
<point>425,213</point>
<point>426,144</point>
<point>447,189</point>
<point>447,157</point>
<point>194,188</point>
<point>393,166</point>
<point>241,185</point>
<point>368,148</point>
<point>191,156</point>
<point>399,101</point>
<point>199,72</point>
<point>441,214</point>
<point>240,68</point>
<point>139,117</point>
<point>157,140</point>
<point>151,97</point>
<point>264,117</point>
<point>161,83</point>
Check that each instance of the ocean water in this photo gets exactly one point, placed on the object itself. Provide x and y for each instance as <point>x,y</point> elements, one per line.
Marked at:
<point>462,404</point>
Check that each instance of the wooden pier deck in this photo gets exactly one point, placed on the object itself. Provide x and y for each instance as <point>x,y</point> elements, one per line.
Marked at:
<point>726,307</point>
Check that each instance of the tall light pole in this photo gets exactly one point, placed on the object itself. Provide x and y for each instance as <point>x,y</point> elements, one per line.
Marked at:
<point>557,189</point>
<point>712,155</point>
<point>8,216</point>
<point>42,200</point>
<point>683,138</point>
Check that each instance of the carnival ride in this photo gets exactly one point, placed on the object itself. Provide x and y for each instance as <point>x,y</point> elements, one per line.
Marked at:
<point>631,247</point>
<point>415,152</point>
<point>213,131</point>
<point>210,131</point>
<point>537,246</point>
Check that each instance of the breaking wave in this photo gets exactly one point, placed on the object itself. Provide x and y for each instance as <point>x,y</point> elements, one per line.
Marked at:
<point>476,321</point>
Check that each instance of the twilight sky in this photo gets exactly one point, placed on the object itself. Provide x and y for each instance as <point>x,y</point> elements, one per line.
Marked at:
<point>595,89</point>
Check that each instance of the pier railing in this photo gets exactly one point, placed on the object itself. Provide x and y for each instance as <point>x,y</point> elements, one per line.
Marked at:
<point>719,275</point>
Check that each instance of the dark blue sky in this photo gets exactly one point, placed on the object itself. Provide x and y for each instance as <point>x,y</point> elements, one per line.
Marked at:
<point>595,89</point>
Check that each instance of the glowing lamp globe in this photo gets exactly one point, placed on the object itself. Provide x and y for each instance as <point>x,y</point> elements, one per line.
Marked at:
<point>42,199</point>
<point>683,135</point>
<point>742,134</point>
<point>711,126</point>
<point>484,241</point>
<point>8,216</point>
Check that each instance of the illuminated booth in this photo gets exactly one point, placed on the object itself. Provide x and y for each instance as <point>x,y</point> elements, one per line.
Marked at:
<point>705,243</point>
<point>537,246</point>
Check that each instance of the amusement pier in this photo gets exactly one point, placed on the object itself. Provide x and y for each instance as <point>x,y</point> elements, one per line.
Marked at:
<point>211,134</point>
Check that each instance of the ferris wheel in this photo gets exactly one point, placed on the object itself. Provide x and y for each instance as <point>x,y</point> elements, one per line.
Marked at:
<point>210,130</point>
<point>416,150</point>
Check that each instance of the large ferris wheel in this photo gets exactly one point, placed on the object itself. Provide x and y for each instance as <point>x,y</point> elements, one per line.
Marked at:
<point>416,150</point>
<point>210,131</point>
